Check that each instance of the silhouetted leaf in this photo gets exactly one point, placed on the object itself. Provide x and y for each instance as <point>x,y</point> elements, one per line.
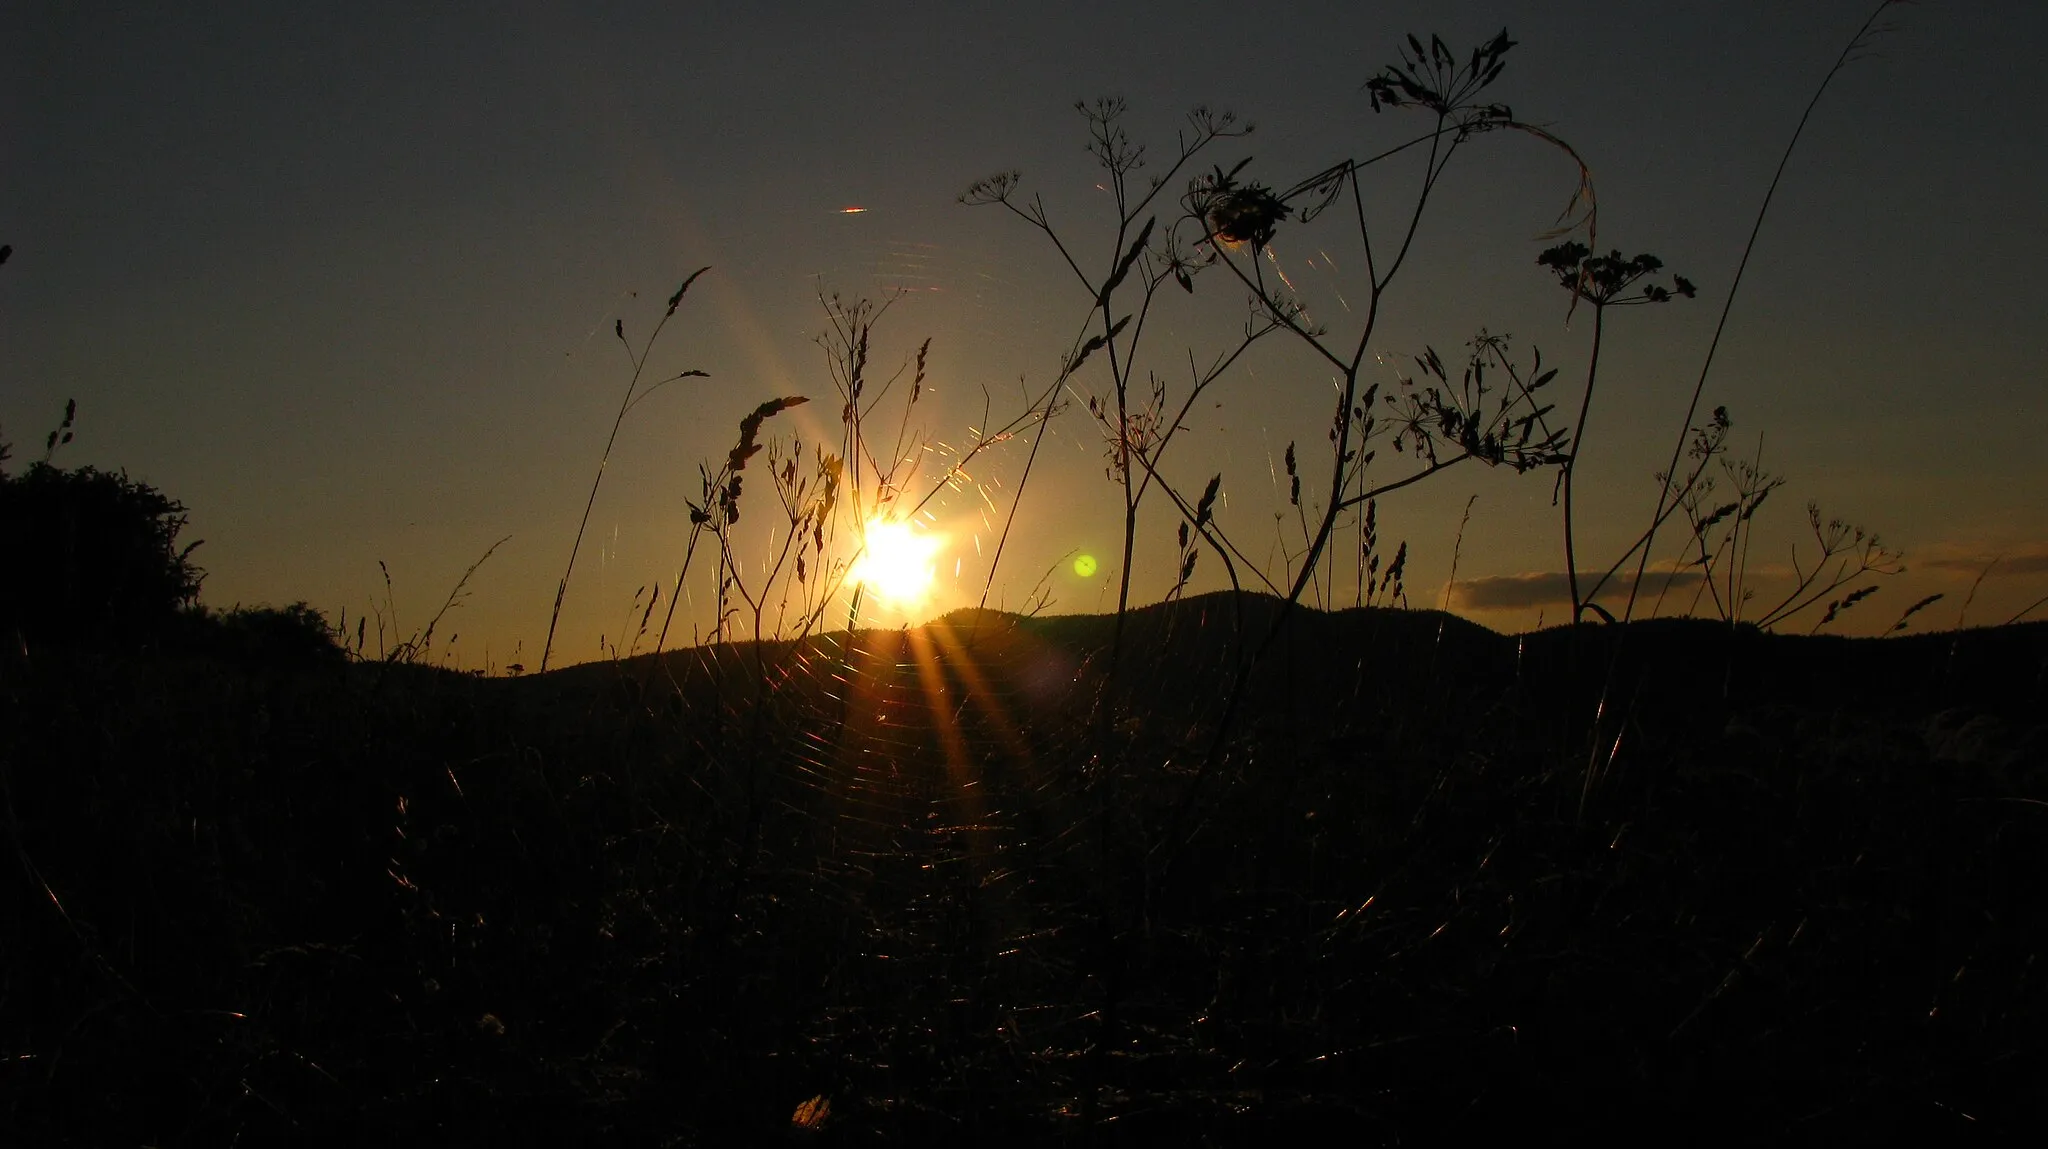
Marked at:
<point>1719,513</point>
<point>1096,343</point>
<point>1756,502</point>
<point>677,298</point>
<point>1123,266</point>
<point>1208,501</point>
<point>1916,608</point>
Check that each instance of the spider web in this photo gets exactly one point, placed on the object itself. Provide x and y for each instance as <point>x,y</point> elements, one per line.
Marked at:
<point>979,878</point>
<point>973,838</point>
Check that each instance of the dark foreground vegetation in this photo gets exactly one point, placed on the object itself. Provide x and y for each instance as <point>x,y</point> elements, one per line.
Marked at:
<point>1040,880</point>
<point>947,883</point>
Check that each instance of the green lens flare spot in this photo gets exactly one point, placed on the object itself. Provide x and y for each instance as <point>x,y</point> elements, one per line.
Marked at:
<point>1085,566</point>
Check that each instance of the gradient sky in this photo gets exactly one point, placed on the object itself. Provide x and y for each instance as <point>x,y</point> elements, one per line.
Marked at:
<point>342,278</point>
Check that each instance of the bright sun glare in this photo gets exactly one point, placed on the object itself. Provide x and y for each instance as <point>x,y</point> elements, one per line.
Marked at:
<point>898,565</point>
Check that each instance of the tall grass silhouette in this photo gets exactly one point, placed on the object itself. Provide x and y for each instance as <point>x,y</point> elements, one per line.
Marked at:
<point>1252,866</point>
<point>633,395</point>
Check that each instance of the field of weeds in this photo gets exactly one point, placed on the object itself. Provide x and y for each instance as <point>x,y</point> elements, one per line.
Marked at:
<point>943,884</point>
<point>1236,867</point>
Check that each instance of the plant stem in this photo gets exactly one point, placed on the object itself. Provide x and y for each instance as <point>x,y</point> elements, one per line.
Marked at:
<point>625,404</point>
<point>1571,463</point>
<point>1735,284</point>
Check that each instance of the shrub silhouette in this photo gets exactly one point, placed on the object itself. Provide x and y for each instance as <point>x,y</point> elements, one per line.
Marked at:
<point>90,557</point>
<point>275,636</point>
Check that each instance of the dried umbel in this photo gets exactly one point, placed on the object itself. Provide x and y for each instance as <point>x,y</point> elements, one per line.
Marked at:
<point>1236,212</point>
<point>1605,280</point>
<point>1431,77</point>
<point>1247,215</point>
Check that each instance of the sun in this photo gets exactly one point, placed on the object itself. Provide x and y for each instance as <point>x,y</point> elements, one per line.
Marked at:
<point>897,566</point>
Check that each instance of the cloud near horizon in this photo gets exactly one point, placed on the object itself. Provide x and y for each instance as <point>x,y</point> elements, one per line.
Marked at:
<point>2025,559</point>
<point>1546,588</point>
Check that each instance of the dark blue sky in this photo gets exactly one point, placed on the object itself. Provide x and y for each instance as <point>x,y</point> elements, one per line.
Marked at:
<point>342,277</point>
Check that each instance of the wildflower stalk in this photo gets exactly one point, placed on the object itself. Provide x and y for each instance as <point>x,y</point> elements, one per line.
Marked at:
<point>626,402</point>
<point>1849,52</point>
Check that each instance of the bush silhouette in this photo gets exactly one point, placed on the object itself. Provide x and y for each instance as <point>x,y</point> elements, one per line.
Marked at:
<point>89,557</point>
<point>295,635</point>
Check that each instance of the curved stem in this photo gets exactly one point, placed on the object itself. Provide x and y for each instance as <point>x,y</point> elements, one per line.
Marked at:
<point>625,404</point>
<point>1571,462</point>
<point>1742,265</point>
